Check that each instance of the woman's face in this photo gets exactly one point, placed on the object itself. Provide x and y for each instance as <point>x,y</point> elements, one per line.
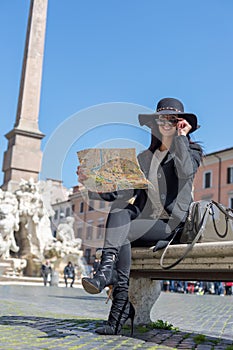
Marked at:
<point>167,125</point>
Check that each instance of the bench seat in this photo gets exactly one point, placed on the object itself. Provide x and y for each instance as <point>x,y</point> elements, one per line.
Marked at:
<point>212,261</point>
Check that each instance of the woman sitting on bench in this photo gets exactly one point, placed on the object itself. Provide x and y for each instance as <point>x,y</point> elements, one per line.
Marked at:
<point>170,164</point>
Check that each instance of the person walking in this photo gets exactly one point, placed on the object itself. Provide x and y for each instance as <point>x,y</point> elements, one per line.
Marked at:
<point>156,213</point>
<point>46,272</point>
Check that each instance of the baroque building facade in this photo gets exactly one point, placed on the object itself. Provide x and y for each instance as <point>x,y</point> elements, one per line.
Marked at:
<point>214,179</point>
<point>90,218</point>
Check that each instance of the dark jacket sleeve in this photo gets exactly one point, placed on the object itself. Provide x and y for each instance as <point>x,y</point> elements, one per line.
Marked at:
<point>187,157</point>
<point>112,196</point>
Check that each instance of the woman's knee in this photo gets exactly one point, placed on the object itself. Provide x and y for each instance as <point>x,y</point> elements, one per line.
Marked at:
<point>123,207</point>
<point>119,205</point>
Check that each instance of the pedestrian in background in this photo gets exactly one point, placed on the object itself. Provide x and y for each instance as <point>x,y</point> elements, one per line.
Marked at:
<point>69,273</point>
<point>228,288</point>
<point>46,272</point>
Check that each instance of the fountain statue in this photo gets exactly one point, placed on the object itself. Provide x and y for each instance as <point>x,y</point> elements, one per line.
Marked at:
<point>65,235</point>
<point>35,232</point>
<point>25,229</point>
<point>66,247</point>
<point>9,222</point>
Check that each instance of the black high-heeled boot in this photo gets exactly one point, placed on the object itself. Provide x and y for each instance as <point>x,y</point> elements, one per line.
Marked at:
<point>120,312</point>
<point>105,275</point>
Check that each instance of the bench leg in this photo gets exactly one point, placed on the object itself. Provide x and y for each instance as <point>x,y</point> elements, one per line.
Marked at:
<point>143,293</point>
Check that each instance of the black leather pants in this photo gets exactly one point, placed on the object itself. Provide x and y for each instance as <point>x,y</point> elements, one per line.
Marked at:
<point>124,228</point>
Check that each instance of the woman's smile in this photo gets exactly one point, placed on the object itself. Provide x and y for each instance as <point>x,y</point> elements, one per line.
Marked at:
<point>167,127</point>
<point>167,130</point>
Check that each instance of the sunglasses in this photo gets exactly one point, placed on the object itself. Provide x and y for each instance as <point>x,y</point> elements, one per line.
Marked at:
<point>167,119</point>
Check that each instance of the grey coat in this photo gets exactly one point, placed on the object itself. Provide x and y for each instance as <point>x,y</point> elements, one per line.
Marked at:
<point>175,179</point>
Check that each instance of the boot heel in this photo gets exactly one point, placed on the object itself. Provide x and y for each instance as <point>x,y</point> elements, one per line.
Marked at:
<point>131,332</point>
<point>121,311</point>
<point>109,293</point>
<point>131,316</point>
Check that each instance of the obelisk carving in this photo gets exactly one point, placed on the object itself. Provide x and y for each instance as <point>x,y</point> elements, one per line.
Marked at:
<point>23,157</point>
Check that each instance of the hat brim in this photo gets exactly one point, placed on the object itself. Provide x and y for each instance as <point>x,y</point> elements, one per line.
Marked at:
<point>147,119</point>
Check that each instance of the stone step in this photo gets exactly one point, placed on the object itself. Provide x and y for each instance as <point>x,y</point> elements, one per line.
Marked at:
<point>30,280</point>
<point>3,267</point>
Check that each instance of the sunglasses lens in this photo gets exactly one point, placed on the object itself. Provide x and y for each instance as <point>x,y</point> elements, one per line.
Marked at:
<point>170,120</point>
<point>160,122</point>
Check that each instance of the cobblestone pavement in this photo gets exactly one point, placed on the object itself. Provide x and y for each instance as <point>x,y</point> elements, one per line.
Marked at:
<point>34,317</point>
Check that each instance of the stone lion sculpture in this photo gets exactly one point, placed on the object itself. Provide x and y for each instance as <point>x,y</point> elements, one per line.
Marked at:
<point>35,231</point>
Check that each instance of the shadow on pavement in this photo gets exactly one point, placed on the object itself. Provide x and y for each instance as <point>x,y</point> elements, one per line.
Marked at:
<point>53,327</point>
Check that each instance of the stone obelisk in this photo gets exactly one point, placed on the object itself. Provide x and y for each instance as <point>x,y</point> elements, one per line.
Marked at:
<point>23,157</point>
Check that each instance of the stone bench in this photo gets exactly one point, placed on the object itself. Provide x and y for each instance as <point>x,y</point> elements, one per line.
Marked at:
<point>206,262</point>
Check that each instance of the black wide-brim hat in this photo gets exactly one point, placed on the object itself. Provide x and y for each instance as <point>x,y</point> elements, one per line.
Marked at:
<point>170,106</point>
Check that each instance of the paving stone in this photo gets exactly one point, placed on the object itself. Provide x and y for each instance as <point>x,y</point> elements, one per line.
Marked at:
<point>59,318</point>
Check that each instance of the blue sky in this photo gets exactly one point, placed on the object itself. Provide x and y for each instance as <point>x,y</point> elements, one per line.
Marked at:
<point>133,52</point>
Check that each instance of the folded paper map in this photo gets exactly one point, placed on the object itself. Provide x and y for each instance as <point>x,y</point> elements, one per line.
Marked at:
<point>111,169</point>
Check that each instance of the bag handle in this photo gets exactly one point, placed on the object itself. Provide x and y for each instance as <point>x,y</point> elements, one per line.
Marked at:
<point>221,235</point>
<point>223,210</point>
<point>190,246</point>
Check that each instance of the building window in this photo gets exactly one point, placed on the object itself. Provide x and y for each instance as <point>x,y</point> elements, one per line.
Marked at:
<point>62,215</point>
<point>100,231</point>
<point>89,234</point>
<point>88,255</point>
<point>79,232</point>
<point>73,208</point>
<point>81,207</point>
<point>56,215</point>
<point>230,175</point>
<point>231,202</point>
<point>207,179</point>
<point>67,212</point>
<point>91,206</point>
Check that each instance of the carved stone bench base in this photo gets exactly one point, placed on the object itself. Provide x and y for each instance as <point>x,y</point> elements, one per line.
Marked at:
<point>143,293</point>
